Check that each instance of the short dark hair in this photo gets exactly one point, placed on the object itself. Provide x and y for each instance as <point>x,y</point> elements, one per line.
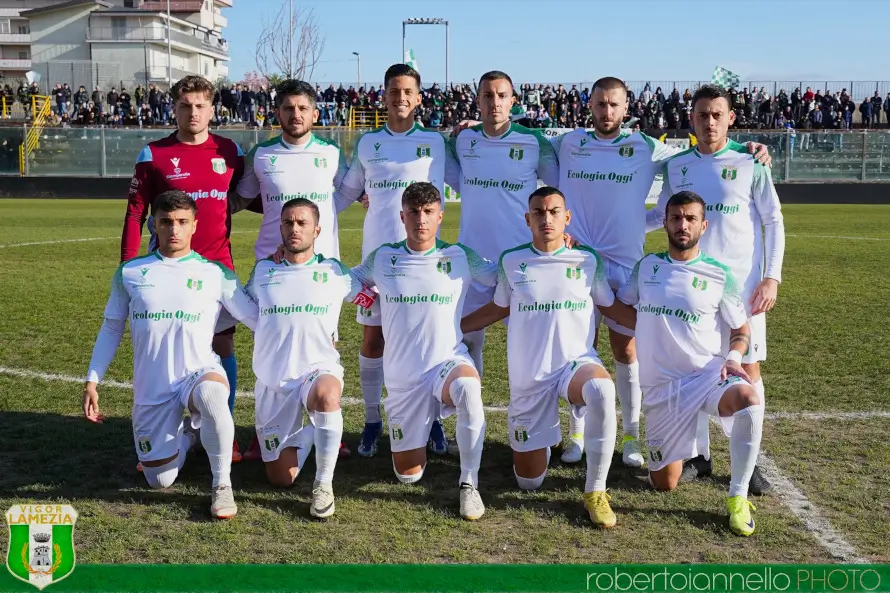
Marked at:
<point>172,200</point>
<point>292,87</point>
<point>711,91</point>
<point>191,84</point>
<point>608,83</point>
<point>302,203</point>
<point>496,75</point>
<point>421,194</point>
<point>686,197</point>
<point>543,192</point>
<point>400,70</point>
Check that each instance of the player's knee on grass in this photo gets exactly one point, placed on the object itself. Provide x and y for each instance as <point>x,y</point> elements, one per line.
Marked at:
<point>737,398</point>
<point>283,471</point>
<point>372,341</point>
<point>624,348</point>
<point>325,395</point>
<point>162,473</point>
<point>224,345</point>
<point>667,478</point>
<point>409,465</point>
<point>530,468</point>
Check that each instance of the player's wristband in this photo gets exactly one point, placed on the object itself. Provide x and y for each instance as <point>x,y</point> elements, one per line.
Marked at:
<point>735,356</point>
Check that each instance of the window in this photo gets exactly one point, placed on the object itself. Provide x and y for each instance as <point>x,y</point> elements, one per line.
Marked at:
<point>129,3</point>
<point>23,55</point>
<point>4,26</point>
<point>118,27</point>
<point>24,29</point>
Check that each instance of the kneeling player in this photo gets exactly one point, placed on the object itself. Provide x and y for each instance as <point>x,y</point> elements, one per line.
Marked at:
<point>422,284</point>
<point>294,358</point>
<point>550,292</point>
<point>172,298</point>
<point>678,296</point>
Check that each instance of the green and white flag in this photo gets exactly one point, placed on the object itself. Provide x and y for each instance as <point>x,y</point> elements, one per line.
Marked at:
<point>410,60</point>
<point>41,542</point>
<point>725,78</point>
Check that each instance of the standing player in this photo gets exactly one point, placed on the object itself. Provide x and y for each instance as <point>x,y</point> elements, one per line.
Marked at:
<point>747,228</point>
<point>550,292</point>
<point>385,162</point>
<point>295,164</point>
<point>207,167</point>
<point>172,297</point>
<point>681,299</point>
<point>501,163</point>
<point>606,174</point>
<point>296,364</point>
<point>422,284</point>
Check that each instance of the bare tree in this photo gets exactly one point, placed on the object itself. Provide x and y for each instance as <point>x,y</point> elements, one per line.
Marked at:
<point>290,44</point>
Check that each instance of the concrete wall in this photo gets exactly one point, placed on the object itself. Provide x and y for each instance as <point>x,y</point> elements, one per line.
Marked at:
<point>60,35</point>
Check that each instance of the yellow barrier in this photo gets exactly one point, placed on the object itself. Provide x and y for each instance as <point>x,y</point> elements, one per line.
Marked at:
<point>41,112</point>
<point>366,117</point>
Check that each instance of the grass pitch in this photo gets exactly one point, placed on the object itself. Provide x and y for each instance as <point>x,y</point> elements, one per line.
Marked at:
<point>827,353</point>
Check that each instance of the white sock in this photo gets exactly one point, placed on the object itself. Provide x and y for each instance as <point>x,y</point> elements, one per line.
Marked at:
<point>305,441</point>
<point>627,382</point>
<point>599,432</point>
<point>758,387</point>
<point>211,398</point>
<point>576,429</point>
<point>328,434</point>
<point>370,372</point>
<point>532,483</point>
<point>744,445</point>
<point>161,476</point>
<point>466,393</point>
<point>703,436</point>
<point>475,342</point>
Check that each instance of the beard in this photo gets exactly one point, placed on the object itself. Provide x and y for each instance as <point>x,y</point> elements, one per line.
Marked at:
<point>683,245</point>
<point>300,248</point>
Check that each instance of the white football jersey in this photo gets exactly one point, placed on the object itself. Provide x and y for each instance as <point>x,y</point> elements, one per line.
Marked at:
<point>384,163</point>
<point>299,306</point>
<point>421,299</point>
<point>677,304</point>
<point>606,183</point>
<point>551,297</point>
<point>173,305</point>
<point>498,174</point>
<point>740,198</point>
<point>278,172</point>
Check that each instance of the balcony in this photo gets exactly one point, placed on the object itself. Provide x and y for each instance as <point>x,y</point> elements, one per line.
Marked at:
<point>15,38</point>
<point>212,44</point>
<point>175,5</point>
<point>220,21</point>
<point>11,12</point>
<point>15,64</point>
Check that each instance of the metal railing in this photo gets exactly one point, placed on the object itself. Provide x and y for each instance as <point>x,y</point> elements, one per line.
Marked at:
<point>40,108</point>
<point>157,33</point>
<point>366,117</point>
<point>801,156</point>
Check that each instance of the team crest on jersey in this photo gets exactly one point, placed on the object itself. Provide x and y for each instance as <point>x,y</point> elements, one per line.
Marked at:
<point>520,434</point>
<point>397,433</point>
<point>271,442</point>
<point>144,444</point>
<point>517,152</point>
<point>321,163</point>
<point>219,165</point>
<point>573,273</point>
<point>41,543</point>
<point>729,173</point>
<point>699,284</point>
<point>423,150</point>
<point>320,277</point>
<point>626,151</point>
<point>193,284</point>
<point>444,265</point>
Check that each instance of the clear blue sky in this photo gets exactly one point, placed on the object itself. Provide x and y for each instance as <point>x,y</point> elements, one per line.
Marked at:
<point>581,40</point>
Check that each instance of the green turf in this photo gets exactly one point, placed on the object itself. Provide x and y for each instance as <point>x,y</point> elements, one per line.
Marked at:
<point>827,343</point>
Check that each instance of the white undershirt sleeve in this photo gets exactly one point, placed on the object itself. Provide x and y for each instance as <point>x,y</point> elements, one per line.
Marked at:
<point>107,341</point>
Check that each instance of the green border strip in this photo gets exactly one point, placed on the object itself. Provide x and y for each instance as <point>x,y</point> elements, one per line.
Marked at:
<point>411,578</point>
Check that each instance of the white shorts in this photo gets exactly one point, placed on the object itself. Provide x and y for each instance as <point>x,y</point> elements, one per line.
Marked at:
<point>157,427</point>
<point>671,413</point>
<point>370,317</point>
<point>279,412</point>
<point>617,275</point>
<point>224,321</point>
<point>410,413</point>
<point>533,420</point>
<point>757,351</point>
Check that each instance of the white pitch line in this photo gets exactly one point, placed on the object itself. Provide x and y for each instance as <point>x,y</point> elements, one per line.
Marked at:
<point>809,514</point>
<point>840,237</point>
<point>827,415</point>
<point>30,243</point>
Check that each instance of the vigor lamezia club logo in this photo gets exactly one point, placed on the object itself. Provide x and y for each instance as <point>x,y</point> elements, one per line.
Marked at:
<point>41,542</point>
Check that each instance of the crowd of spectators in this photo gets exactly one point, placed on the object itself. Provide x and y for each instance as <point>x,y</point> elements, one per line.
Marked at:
<point>538,105</point>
